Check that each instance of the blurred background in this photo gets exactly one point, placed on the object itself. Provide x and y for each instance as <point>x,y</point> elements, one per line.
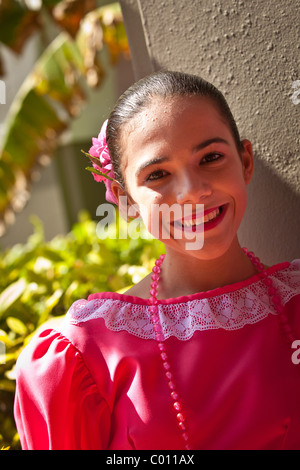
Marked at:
<point>64,63</point>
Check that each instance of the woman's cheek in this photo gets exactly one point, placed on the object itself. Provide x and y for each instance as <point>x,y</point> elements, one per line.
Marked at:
<point>151,211</point>
<point>148,214</point>
<point>241,201</point>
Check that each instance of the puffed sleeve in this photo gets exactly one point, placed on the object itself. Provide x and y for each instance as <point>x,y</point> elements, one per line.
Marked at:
<point>57,403</point>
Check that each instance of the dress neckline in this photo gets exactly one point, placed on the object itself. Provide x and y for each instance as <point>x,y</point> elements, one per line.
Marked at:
<point>197,296</point>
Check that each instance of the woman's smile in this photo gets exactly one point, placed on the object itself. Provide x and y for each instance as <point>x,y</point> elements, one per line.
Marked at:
<point>203,218</point>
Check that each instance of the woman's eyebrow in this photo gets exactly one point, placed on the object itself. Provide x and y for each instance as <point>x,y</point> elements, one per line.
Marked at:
<point>153,161</point>
<point>207,142</point>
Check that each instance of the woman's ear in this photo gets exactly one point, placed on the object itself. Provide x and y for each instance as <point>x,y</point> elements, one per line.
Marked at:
<point>247,160</point>
<point>127,207</point>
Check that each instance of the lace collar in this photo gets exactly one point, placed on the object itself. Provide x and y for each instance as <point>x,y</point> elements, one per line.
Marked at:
<point>230,307</point>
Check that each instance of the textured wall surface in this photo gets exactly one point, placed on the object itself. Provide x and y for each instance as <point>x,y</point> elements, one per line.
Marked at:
<point>250,50</point>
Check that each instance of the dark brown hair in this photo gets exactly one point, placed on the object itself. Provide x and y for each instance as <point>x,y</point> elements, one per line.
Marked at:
<point>163,84</point>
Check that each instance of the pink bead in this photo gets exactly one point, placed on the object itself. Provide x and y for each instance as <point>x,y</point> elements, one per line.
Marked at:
<point>153,292</point>
<point>182,426</point>
<point>180,417</point>
<point>271,291</point>
<point>256,260</point>
<point>155,277</point>
<point>157,328</point>
<point>174,395</point>
<point>268,281</point>
<point>153,309</point>
<point>159,337</point>
<point>164,356</point>
<point>155,318</point>
<point>154,285</point>
<point>171,385</point>
<point>153,300</point>
<point>166,365</point>
<point>169,375</point>
<point>177,406</point>
<point>280,308</point>
<point>185,436</point>
<point>158,262</point>
<point>156,269</point>
<point>161,346</point>
<point>260,266</point>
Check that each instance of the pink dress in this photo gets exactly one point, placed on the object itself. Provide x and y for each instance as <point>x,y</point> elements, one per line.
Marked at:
<point>96,381</point>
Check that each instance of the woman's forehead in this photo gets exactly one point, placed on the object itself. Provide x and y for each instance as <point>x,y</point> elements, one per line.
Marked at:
<point>179,113</point>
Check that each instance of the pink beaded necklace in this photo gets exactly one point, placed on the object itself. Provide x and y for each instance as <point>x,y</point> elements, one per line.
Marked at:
<point>159,336</point>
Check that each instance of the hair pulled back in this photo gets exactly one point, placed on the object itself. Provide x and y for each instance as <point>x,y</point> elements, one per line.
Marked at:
<point>163,84</point>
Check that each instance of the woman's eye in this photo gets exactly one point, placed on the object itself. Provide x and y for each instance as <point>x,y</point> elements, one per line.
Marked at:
<point>211,157</point>
<point>155,175</point>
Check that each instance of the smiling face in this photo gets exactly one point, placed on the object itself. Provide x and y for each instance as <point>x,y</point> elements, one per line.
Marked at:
<point>181,151</point>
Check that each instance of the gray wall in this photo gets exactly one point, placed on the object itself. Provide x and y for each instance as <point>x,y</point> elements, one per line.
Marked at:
<point>250,50</point>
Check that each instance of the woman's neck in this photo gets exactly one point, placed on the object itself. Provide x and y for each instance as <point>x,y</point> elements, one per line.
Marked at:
<point>185,275</point>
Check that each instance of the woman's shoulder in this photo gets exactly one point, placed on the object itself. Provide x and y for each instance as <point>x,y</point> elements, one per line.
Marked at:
<point>47,346</point>
<point>287,276</point>
<point>58,352</point>
<point>51,376</point>
<point>49,362</point>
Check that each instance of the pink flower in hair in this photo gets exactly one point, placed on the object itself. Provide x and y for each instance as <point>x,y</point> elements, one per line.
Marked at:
<point>100,150</point>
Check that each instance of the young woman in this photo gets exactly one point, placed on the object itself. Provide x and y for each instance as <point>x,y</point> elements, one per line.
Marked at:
<point>198,355</point>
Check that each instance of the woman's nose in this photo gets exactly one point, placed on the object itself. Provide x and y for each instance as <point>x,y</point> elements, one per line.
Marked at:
<point>192,188</point>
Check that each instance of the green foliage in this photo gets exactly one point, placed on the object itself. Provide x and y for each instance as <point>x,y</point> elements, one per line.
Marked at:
<point>40,280</point>
<point>55,91</point>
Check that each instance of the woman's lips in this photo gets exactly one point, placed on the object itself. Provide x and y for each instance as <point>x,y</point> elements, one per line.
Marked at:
<point>198,214</point>
<point>195,220</point>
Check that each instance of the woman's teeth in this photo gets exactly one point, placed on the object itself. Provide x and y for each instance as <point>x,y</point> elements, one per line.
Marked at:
<point>207,218</point>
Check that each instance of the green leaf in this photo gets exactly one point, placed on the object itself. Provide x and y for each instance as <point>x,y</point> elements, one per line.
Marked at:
<point>53,89</point>
<point>11,294</point>
<point>34,125</point>
<point>50,303</point>
<point>16,325</point>
<point>17,24</point>
<point>51,254</point>
<point>4,338</point>
<point>97,172</point>
<point>93,159</point>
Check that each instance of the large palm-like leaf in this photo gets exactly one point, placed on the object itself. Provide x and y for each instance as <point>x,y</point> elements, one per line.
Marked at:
<point>52,95</point>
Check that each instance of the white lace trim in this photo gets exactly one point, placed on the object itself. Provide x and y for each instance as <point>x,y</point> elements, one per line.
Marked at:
<point>229,311</point>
